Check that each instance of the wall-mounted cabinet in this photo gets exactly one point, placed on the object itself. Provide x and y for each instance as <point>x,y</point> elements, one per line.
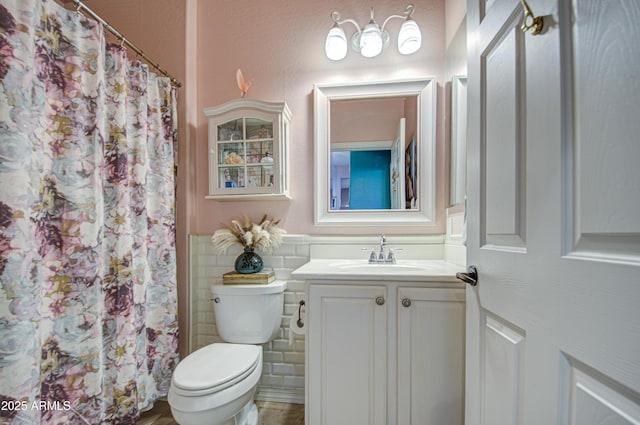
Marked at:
<point>248,150</point>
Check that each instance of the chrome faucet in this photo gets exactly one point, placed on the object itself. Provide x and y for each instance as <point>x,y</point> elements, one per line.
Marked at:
<point>382,257</point>
<point>383,244</point>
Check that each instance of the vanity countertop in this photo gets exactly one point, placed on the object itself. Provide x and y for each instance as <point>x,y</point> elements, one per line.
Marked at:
<point>358,270</point>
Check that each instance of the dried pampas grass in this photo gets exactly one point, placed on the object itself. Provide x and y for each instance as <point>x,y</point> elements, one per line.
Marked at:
<point>264,235</point>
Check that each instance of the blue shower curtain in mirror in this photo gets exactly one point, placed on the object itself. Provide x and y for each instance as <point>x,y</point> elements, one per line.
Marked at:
<point>88,310</point>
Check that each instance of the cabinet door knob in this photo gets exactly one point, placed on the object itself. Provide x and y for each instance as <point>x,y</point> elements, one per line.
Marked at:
<point>406,302</point>
<point>380,300</point>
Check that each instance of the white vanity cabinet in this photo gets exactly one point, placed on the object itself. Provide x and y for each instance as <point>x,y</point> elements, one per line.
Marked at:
<point>385,353</point>
<point>346,355</point>
<point>248,150</point>
<point>430,335</point>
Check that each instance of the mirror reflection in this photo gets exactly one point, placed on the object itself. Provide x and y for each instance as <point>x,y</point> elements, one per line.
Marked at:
<point>373,162</point>
<point>374,146</point>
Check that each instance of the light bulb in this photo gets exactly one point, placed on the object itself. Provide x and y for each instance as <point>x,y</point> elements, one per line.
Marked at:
<point>371,40</point>
<point>409,38</point>
<point>336,45</point>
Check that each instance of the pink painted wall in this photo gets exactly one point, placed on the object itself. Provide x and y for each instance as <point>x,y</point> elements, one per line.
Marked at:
<point>455,13</point>
<point>281,45</point>
<point>365,120</point>
<point>282,48</point>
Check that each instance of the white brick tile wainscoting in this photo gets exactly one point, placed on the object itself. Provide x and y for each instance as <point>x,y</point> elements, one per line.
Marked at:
<point>283,364</point>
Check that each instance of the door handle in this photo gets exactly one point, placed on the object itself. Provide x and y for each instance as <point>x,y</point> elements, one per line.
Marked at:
<point>470,277</point>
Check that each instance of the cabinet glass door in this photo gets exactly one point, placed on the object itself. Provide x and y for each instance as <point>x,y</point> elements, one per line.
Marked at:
<point>259,147</point>
<point>245,153</point>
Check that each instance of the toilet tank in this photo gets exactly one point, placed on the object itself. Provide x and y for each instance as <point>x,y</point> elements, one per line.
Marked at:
<point>248,314</point>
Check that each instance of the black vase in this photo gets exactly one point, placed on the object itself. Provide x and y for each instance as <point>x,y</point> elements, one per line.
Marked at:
<point>248,262</point>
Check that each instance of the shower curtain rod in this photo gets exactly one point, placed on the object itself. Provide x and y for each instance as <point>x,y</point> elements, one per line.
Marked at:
<point>121,37</point>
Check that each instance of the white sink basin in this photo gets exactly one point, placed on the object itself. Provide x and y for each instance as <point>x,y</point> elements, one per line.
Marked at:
<point>362,270</point>
<point>357,266</point>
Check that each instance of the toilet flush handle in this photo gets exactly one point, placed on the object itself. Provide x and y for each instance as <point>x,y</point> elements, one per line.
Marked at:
<point>300,322</point>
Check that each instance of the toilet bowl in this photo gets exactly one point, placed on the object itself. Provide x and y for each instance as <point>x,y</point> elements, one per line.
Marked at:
<point>213,384</point>
<point>216,384</point>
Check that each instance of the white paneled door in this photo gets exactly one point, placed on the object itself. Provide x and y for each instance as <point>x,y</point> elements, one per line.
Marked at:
<point>553,325</point>
<point>397,167</point>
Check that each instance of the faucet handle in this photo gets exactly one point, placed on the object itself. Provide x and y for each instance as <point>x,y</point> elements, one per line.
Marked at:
<point>391,258</point>
<point>372,256</point>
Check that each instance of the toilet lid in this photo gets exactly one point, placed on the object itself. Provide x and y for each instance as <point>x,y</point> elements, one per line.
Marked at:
<point>215,367</point>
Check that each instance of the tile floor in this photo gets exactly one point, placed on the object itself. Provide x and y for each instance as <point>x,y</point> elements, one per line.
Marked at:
<point>270,413</point>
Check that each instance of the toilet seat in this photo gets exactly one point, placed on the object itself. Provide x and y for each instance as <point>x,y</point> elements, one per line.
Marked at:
<point>214,368</point>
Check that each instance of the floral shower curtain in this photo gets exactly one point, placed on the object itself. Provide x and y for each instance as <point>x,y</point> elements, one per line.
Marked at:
<point>88,310</point>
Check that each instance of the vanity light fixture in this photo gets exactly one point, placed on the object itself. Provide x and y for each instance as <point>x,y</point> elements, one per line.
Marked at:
<point>371,39</point>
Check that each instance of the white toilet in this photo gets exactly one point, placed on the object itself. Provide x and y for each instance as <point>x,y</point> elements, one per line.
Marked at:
<point>215,385</point>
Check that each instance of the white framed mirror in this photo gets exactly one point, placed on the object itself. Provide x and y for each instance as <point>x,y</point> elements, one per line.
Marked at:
<point>389,126</point>
<point>458,139</point>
